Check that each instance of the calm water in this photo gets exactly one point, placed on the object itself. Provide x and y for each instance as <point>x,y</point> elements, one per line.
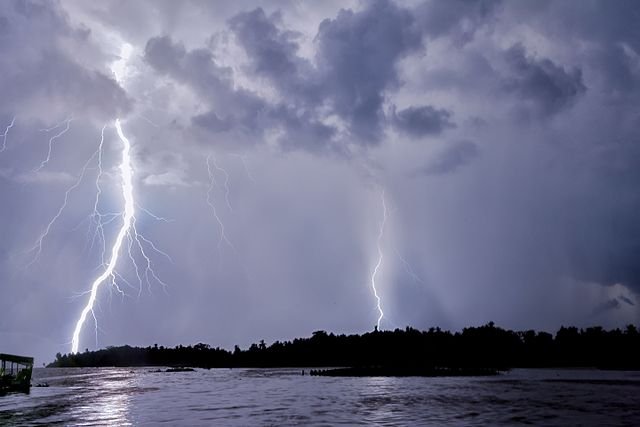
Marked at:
<point>110,396</point>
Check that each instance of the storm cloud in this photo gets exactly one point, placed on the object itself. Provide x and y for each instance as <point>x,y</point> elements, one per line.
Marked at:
<point>453,157</point>
<point>547,87</point>
<point>505,136</point>
<point>40,45</point>
<point>423,120</point>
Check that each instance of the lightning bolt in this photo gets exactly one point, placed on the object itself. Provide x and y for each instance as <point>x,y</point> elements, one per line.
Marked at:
<point>98,221</point>
<point>243,160</point>
<point>212,184</point>
<point>148,120</point>
<point>127,231</point>
<point>96,218</point>
<point>154,216</point>
<point>52,139</point>
<point>407,267</point>
<point>226,180</point>
<point>127,220</point>
<point>36,249</point>
<point>379,263</point>
<point>5,134</point>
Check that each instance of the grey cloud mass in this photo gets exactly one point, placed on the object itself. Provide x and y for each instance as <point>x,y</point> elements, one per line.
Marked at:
<point>505,136</point>
<point>273,54</point>
<point>357,54</point>
<point>452,158</point>
<point>423,120</point>
<point>354,62</point>
<point>548,87</point>
<point>38,45</point>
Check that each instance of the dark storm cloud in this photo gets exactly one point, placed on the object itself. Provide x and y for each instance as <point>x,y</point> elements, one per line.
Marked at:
<point>236,109</point>
<point>422,120</point>
<point>356,59</point>
<point>37,47</point>
<point>213,123</point>
<point>229,107</point>
<point>196,67</point>
<point>451,159</point>
<point>547,87</point>
<point>608,35</point>
<point>164,55</point>
<point>603,233</point>
<point>610,254</point>
<point>617,65</point>
<point>456,19</point>
<point>612,305</point>
<point>272,53</point>
<point>354,66</point>
<point>602,22</point>
<point>304,131</point>
<point>357,56</point>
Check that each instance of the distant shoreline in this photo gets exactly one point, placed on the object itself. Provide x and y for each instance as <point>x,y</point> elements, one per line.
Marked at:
<point>483,349</point>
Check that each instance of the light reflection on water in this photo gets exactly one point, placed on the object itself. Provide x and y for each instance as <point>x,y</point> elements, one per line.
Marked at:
<point>124,397</point>
<point>108,401</point>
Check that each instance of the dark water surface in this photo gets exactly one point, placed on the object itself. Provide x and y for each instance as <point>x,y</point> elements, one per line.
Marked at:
<point>121,397</point>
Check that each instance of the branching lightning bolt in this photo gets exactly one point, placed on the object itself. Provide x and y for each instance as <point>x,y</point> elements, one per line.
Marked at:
<point>96,218</point>
<point>127,219</point>
<point>36,249</point>
<point>5,134</point>
<point>211,159</point>
<point>96,232</point>
<point>138,247</point>
<point>127,231</point>
<point>379,263</point>
<point>407,267</point>
<point>52,139</point>
<point>212,183</point>
<point>154,216</point>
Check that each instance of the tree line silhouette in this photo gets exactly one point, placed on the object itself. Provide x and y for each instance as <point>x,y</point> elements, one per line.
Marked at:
<point>486,346</point>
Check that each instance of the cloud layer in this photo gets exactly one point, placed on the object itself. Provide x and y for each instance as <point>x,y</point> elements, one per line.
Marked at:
<point>505,136</point>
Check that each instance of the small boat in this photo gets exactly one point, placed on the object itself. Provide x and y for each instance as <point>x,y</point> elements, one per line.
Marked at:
<point>15,373</point>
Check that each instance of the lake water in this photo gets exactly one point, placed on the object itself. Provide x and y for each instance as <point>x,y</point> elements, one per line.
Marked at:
<point>219,397</point>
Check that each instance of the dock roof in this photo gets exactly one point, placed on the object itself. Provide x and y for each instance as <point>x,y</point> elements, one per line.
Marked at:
<point>16,359</point>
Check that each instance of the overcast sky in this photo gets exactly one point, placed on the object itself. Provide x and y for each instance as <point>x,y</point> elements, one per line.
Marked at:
<point>504,136</point>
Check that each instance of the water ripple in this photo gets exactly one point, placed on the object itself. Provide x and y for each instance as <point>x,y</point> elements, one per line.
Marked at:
<point>283,397</point>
